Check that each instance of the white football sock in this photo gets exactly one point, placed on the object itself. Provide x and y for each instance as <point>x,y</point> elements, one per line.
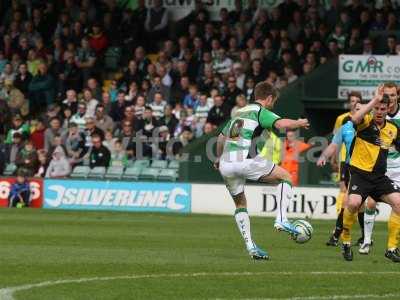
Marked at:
<point>369,220</point>
<point>243,222</point>
<point>284,195</point>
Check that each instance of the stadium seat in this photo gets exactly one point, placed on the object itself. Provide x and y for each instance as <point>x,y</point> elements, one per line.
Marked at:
<point>142,163</point>
<point>159,164</point>
<point>173,164</point>
<point>132,173</point>
<point>114,172</point>
<point>10,169</point>
<point>80,172</point>
<point>168,175</point>
<point>97,172</point>
<point>149,174</point>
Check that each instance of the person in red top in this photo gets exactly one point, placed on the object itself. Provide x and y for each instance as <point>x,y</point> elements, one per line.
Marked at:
<point>292,147</point>
<point>37,136</point>
<point>98,40</point>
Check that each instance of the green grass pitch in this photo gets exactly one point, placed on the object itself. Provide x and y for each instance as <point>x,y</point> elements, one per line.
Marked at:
<point>165,256</point>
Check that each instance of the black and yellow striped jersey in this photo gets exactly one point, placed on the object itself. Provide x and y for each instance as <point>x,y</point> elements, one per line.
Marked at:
<point>371,144</point>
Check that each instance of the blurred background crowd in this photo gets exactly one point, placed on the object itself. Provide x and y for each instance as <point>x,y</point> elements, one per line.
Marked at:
<point>83,81</point>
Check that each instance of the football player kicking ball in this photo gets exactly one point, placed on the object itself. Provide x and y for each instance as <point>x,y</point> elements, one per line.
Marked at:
<point>375,135</point>
<point>238,161</point>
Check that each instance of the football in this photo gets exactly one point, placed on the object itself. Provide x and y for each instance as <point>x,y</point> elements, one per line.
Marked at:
<point>305,229</point>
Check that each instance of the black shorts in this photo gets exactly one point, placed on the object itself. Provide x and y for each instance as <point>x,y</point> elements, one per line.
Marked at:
<point>370,184</point>
<point>344,173</point>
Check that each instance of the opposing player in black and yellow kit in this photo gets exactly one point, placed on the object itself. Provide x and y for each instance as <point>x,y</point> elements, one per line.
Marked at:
<point>353,99</point>
<point>375,135</point>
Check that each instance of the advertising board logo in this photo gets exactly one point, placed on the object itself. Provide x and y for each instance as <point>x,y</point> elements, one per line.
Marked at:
<point>117,196</point>
<point>5,188</point>
<point>370,65</point>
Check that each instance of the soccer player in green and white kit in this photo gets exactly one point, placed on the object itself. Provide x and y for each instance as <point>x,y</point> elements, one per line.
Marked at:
<point>238,161</point>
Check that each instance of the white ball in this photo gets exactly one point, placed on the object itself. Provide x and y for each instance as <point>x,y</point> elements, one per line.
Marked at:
<point>305,230</point>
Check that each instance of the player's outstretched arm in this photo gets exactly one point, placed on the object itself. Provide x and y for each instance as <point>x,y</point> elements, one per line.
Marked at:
<point>291,124</point>
<point>359,115</point>
<point>327,154</point>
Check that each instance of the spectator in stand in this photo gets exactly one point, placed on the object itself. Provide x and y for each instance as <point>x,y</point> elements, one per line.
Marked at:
<point>94,88</point>
<point>219,113</point>
<point>79,117</point>
<point>85,59</point>
<point>118,107</point>
<point>71,101</point>
<point>23,79</point>
<point>59,166</point>
<point>37,135</point>
<point>42,163</point>
<point>192,99</point>
<point>41,89</point>
<point>98,40</point>
<point>102,120</point>
<point>158,106</point>
<point>19,126</point>
<point>91,130</point>
<point>27,159</point>
<point>231,92</point>
<point>156,24</point>
<point>158,87</point>
<point>91,102</point>
<point>75,141</point>
<point>150,122</point>
<point>240,103</point>
<point>50,133</point>
<point>15,98</point>
<point>69,73</point>
<point>139,107</point>
<point>119,158</point>
<point>169,119</point>
<point>99,156</point>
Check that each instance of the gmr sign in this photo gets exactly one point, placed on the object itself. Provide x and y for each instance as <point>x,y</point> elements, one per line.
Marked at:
<point>371,65</point>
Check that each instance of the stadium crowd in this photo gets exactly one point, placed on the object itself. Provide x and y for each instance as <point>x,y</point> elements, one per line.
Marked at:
<point>79,80</point>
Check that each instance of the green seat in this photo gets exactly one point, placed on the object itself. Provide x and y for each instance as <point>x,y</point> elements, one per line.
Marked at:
<point>173,164</point>
<point>149,174</point>
<point>80,172</point>
<point>132,173</point>
<point>168,175</point>
<point>159,164</point>
<point>114,172</point>
<point>97,172</point>
<point>10,169</point>
<point>142,163</point>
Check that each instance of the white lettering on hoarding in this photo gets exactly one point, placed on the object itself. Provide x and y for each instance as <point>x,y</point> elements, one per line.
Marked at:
<point>115,198</point>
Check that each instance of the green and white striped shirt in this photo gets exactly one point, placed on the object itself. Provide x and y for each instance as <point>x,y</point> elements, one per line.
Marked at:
<point>244,128</point>
<point>393,160</point>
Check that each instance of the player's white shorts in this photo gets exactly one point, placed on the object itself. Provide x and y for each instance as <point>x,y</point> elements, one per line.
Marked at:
<point>394,175</point>
<point>235,173</point>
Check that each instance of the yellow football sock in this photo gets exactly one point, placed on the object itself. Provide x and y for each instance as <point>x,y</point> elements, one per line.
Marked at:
<point>339,202</point>
<point>348,221</point>
<point>394,230</point>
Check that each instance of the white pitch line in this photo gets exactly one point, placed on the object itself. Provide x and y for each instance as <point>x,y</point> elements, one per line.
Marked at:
<point>7,293</point>
<point>331,297</point>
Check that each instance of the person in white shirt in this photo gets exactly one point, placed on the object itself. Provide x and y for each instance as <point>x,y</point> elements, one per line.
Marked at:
<point>222,63</point>
<point>79,117</point>
<point>91,103</point>
<point>158,106</point>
